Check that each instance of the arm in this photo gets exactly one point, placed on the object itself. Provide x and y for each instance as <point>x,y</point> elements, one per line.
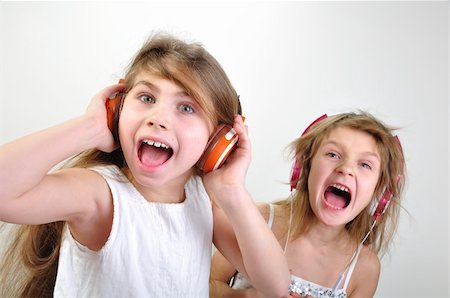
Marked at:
<point>240,232</point>
<point>221,273</point>
<point>28,194</point>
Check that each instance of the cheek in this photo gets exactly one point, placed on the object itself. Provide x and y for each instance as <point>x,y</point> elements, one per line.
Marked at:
<point>369,186</point>
<point>313,186</point>
<point>126,132</point>
<point>197,140</point>
<point>122,130</point>
<point>371,183</point>
<point>315,176</point>
<point>129,119</point>
<point>199,133</point>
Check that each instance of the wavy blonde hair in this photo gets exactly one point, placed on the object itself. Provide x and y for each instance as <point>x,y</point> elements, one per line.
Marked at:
<point>34,250</point>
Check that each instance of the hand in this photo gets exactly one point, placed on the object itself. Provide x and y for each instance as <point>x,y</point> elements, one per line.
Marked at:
<point>97,111</point>
<point>231,176</point>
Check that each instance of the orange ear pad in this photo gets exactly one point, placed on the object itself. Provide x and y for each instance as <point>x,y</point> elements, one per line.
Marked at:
<point>219,147</point>
<point>111,105</point>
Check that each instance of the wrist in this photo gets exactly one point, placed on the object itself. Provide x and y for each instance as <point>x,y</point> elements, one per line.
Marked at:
<point>235,199</point>
<point>86,132</point>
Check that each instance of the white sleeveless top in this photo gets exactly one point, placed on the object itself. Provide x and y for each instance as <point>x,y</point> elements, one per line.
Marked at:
<point>304,287</point>
<point>153,250</point>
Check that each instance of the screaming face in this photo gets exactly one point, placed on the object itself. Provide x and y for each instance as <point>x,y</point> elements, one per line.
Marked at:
<point>343,176</point>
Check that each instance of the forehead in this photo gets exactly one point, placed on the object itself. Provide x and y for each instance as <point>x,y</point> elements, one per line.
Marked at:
<point>352,139</point>
<point>157,83</point>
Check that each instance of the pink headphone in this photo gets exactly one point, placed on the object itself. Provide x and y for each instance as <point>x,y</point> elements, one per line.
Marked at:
<point>297,168</point>
<point>383,201</point>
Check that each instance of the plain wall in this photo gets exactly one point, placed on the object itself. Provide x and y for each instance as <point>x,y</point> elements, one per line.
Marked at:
<point>290,62</point>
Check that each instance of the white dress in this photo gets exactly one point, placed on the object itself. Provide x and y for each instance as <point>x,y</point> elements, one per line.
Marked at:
<point>153,250</point>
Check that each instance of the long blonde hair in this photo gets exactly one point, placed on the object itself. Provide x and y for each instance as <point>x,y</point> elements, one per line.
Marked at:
<point>34,250</point>
<point>392,177</point>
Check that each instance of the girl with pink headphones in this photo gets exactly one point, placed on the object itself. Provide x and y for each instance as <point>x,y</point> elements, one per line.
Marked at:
<point>336,222</point>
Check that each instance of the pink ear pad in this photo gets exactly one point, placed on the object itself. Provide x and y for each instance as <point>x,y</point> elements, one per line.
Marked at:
<point>296,168</point>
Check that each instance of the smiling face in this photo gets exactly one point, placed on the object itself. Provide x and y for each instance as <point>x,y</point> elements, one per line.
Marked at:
<point>163,132</point>
<point>343,176</point>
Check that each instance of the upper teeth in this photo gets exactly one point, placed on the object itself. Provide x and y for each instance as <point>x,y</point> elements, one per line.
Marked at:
<point>156,144</point>
<point>341,187</point>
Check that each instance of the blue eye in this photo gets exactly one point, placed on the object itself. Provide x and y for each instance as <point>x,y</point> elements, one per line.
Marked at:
<point>146,98</point>
<point>366,166</point>
<point>332,155</point>
<point>186,109</point>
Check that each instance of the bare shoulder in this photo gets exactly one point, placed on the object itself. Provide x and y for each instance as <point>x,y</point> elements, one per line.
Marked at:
<point>264,208</point>
<point>369,260</point>
<point>89,186</point>
<point>93,225</point>
<point>366,274</point>
<point>280,222</point>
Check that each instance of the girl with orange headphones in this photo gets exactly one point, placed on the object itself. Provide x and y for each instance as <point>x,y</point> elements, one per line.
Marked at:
<point>348,168</point>
<point>132,215</point>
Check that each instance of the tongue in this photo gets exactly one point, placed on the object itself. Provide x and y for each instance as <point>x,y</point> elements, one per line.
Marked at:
<point>335,200</point>
<point>152,156</point>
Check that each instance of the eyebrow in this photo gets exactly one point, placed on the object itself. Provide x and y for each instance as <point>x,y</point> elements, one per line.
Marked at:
<point>369,153</point>
<point>145,83</point>
<point>156,88</point>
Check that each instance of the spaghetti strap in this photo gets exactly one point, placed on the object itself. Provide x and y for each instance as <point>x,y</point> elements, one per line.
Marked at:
<point>271,215</point>
<point>351,267</point>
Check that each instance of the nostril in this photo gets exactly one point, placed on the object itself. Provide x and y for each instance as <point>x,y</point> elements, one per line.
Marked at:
<point>151,123</point>
<point>345,170</point>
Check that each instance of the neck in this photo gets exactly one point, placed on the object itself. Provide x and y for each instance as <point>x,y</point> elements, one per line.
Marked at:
<point>323,235</point>
<point>171,192</point>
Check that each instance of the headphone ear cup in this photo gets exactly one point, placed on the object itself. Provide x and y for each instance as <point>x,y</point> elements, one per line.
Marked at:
<point>297,168</point>
<point>218,148</point>
<point>382,204</point>
<point>295,173</point>
<point>113,107</point>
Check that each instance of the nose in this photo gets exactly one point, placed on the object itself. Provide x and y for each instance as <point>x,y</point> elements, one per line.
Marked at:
<point>345,168</point>
<point>158,117</point>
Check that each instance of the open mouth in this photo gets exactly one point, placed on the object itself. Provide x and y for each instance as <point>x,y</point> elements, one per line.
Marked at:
<point>337,196</point>
<point>152,153</point>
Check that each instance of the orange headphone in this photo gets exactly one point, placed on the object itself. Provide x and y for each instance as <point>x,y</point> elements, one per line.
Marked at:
<point>221,144</point>
<point>384,199</point>
<point>219,147</point>
<point>113,108</point>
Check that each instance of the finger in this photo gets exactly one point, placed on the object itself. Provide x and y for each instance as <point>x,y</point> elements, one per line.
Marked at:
<point>111,90</point>
<point>240,127</point>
